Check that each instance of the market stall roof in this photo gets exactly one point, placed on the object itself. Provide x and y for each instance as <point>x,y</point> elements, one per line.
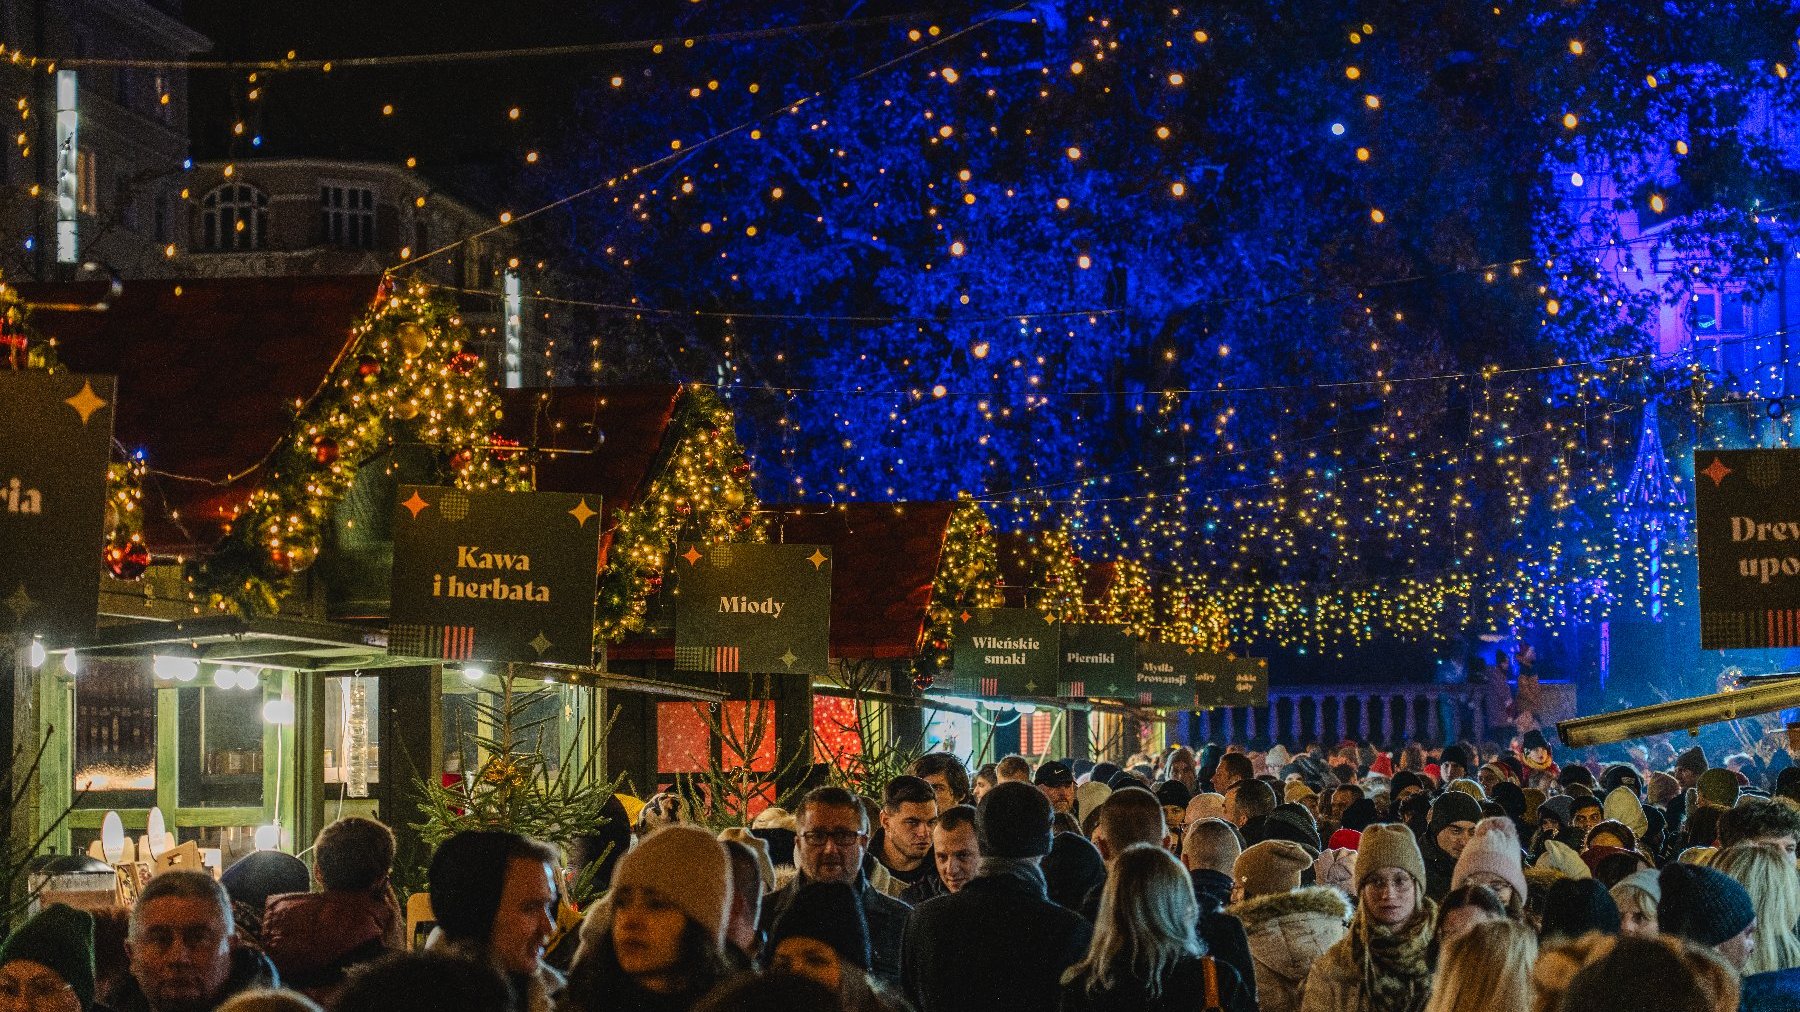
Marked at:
<point>209,371</point>
<point>885,561</point>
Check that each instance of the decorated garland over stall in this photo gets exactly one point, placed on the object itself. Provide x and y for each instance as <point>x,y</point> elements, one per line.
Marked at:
<point>406,377</point>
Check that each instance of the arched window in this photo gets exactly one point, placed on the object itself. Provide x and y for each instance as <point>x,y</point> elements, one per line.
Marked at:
<point>235,217</point>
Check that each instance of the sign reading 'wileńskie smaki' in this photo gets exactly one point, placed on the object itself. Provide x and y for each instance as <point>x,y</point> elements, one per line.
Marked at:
<point>1004,652</point>
<point>1747,528</point>
<point>55,440</point>
<point>495,576</point>
<point>764,609</point>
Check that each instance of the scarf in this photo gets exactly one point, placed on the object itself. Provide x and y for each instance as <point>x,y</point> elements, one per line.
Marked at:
<point>1396,973</point>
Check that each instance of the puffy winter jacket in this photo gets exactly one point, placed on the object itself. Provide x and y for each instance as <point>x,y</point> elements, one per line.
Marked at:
<point>1288,933</point>
<point>314,938</point>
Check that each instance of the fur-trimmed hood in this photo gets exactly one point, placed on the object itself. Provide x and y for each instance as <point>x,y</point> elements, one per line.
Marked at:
<point>1288,933</point>
<point>1320,901</point>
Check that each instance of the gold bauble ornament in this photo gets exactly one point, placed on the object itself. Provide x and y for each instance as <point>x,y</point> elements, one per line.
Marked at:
<point>413,338</point>
<point>406,411</point>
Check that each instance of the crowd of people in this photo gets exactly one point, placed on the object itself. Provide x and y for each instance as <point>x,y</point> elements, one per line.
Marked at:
<point>1462,879</point>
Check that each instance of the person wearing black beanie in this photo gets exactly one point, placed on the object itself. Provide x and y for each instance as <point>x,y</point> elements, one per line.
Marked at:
<point>1360,815</point>
<point>1296,824</point>
<point>1575,906</point>
<point>1447,831</point>
<point>827,915</point>
<point>1709,908</point>
<point>999,944</point>
<point>1072,869</point>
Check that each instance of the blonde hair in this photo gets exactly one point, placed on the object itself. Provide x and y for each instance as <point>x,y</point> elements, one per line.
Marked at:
<point>1146,925</point>
<point>269,1000</point>
<point>1488,969</point>
<point>1715,983</point>
<point>1774,887</point>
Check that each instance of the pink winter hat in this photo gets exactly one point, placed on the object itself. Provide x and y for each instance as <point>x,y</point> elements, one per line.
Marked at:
<point>1493,850</point>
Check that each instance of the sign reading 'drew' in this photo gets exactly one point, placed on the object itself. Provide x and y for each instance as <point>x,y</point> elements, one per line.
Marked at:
<point>55,438</point>
<point>1747,526</point>
<point>1165,675</point>
<point>1097,663</point>
<point>495,576</point>
<point>1004,652</point>
<point>757,608</point>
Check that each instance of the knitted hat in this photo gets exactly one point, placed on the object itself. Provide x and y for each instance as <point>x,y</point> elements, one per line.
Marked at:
<point>1470,787</point>
<point>1173,794</point>
<point>61,938</point>
<point>1382,766</point>
<point>1344,839</point>
<point>1452,807</point>
<point>1337,868</point>
<point>1081,768</point>
<point>1054,774</point>
<point>1405,779</point>
<point>1459,755</point>
<point>1622,806</point>
<point>1291,822</point>
<point>1649,880</point>
<point>1272,866</point>
<point>1574,907</point>
<point>1693,760</point>
<point>1089,796</point>
<point>1535,739</point>
<point>827,912</point>
<point>1278,757</point>
<point>1704,906</point>
<point>1206,806</point>
<point>1297,793</point>
<point>1661,788</point>
<point>1719,787</point>
<point>1620,775</point>
<point>1494,850</point>
<point>1102,773</point>
<point>1013,821</point>
<point>1560,859</point>
<point>467,874</point>
<point>1510,797</point>
<point>1389,845</point>
<point>1072,869</point>
<point>686,867</point>
<point>1575,773</point>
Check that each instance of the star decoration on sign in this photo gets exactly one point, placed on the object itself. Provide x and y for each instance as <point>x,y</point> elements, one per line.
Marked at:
<point>788,657</point>
<point>85,402</point>
<point>539,643</point>
<point>817,558</point>
<point>582,513</point>
<point>1716,471</point>
<point>965,615</point>
<point>692,555</point>
<point>1031,686</point>
<point>416,504</point>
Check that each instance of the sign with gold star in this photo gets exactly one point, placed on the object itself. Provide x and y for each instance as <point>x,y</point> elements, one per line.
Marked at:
<point>1224,680</point>
<point>1747,528</point>
<point>494,576</point>
<point>1004,653</point>
<point>55,440</point>
<point>1164,676</point>
<point>1097,662</point>
<point>762,609</point>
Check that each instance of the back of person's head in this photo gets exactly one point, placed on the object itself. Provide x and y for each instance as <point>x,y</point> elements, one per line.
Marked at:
<point>829,913</point>
<point>191,885</point>
<point>1620,975</point>
<point>989,774</point>
<point>1487,969</point>
<point>268,1000</point>
<point>1253,798</point>
<point>1755,821</point>
<point>354,854</point>
<point>426,982</point>
<point>1013,767</point>
<point>1212,844</point>
<point>1148,915</point>
<point>1575,906</point>
<point>468,874</point>
<point>906,790</point>
<point>1128,817</point>
<point>772,992</point>
<point>946,765</point>
<point>1237,765</point>
<point>1013,822</point>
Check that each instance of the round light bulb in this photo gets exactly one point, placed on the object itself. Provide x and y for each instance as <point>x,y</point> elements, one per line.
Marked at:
<point>71,662</point>
<point>38,655</point>
<point>473,674</point>
<point>278,711</point>
<point>268,837</point>
<point>224,678</point>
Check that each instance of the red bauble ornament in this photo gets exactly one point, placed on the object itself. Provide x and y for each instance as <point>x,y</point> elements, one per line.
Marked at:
<point>281,561</point>
<point>464,362</point>
<point>461,461</point>
<point>126,560</point>
<point>325,450</point>
<point>368,367</point>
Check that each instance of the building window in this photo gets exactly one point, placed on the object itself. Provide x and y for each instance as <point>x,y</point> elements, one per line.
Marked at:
<point>125,203</point>
<point>87,181</point>
<point>1712,313</point>
<point>347,215</point>
<point>234,217</point>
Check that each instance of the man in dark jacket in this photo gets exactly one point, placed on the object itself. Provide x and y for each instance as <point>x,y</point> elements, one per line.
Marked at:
<point>831,838</point>
<point>1449,829</point>
<point>999,944</point>
<point>182,957</point>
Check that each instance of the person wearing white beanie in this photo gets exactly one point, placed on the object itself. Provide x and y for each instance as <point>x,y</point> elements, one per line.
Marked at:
<point>1277,758</point>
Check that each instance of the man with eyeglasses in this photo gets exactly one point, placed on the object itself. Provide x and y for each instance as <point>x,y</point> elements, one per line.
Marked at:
<point>180,944</point>
<point>830,840</point>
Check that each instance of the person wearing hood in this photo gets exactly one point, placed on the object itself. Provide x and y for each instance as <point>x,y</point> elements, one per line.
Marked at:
<point>182,955</point>
<point>1289,927</point>
<point>1183,769</point>
<point>999,944</point>
<point>1452,823</point>
<point>657,942</point>
<point>823,937</point>
<point>47,965</point>
<point>1089,797</point>
<point>494,896</point>
<point>1382,962</point>
<point>1492,858</point>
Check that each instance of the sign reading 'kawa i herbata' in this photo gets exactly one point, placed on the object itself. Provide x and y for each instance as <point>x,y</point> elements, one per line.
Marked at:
<point>1747,526</point>
<point>1097,662</point>
<point>1004,652</point>
<point>1165,675</point>
<point>764,609</point>
<point>495,576</point>
<point>55,437</point>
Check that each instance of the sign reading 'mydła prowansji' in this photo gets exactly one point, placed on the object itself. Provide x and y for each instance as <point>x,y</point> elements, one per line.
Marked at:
<point>764,609</point>
<point>495,576</point>
<point>1747,526</point>
<point>1097,662</point>
<point>55,437</point>
<point>1165,675</point>
<point>1004,652</point>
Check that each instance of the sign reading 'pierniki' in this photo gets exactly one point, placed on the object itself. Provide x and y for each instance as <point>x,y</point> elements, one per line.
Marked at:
<point>495,576</point>
<point>1747,526</point>
<point>764,609</point>
<point>55,437</point>
<point>1098,662</point>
